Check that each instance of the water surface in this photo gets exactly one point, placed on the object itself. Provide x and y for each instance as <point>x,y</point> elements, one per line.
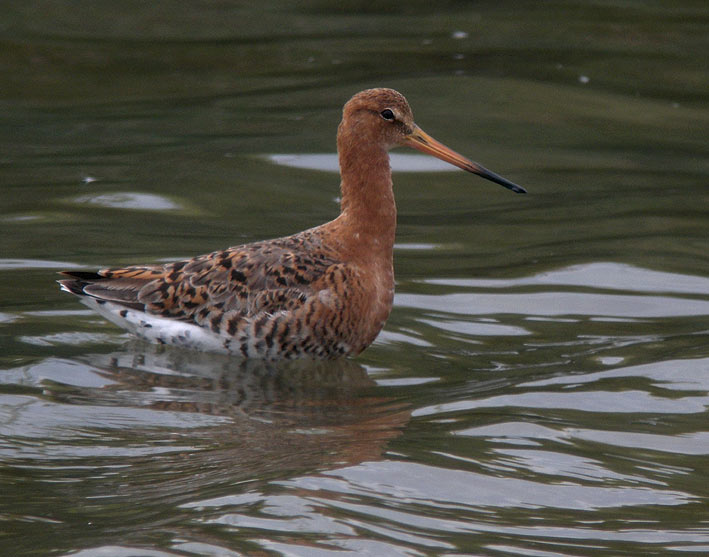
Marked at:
<point>542,385</point>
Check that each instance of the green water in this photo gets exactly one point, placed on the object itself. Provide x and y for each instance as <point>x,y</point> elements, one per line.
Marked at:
<point>541,387</point>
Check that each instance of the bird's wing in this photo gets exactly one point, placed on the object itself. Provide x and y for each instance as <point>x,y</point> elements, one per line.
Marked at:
<point>245,280</point>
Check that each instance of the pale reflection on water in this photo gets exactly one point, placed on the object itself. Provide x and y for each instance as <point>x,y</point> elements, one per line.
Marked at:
<point>328,162</point>
<point>130,200</point>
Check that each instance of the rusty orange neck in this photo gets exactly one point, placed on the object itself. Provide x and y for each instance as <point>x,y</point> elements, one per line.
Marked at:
<point>368,207</point>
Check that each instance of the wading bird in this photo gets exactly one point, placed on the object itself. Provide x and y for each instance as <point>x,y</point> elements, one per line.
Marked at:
<point>321,293</point>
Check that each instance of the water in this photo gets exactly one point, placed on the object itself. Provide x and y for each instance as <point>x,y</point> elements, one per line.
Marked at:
<point>542,385</point>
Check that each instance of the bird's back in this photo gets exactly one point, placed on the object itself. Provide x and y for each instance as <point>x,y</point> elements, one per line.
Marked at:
<point>287,297</point>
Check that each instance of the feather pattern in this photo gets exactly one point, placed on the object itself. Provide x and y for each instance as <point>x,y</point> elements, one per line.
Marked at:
<point>281,298</point>
<point>322,293</point>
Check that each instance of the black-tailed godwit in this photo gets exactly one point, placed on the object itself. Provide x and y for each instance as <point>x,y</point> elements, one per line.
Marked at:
<point>321,293</point>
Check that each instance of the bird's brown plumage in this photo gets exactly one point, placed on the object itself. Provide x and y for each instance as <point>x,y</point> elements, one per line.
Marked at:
<point>324,292</point>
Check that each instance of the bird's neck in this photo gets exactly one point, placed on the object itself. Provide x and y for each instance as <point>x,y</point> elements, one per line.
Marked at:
<point>368,210</point>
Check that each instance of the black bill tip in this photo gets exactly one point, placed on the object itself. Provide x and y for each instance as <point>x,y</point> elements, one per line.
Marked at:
<point>490,175</point>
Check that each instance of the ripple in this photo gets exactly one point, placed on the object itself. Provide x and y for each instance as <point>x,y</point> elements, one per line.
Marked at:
<point>555,304</point>
<point>70,339</point>
<point>620,293</point>
<point>124,551</point>
<point>328,162</point>
<point>130,200</point>
<point>19,264</point>
<point>411,482</point>
<point>626,402</point>
<point>477,328</point>
<point>417,246</point>
<point>391,337</point>
<point>670,374</point>
<point>26,417</point>
<point>611,276</point>
<point>7,317</point>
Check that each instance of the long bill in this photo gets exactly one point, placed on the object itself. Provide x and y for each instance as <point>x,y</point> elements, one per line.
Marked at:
<point>421,141</point>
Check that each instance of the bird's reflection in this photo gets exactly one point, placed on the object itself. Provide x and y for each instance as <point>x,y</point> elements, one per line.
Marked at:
<point>150,435</point>
<point>302,414</point>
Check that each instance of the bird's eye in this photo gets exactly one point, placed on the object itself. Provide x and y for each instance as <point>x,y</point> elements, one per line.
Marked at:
<point>387,114</point>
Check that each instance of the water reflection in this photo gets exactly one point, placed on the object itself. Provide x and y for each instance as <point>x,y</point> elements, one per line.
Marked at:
<point>313,401</point>
<point>597,275</point>
<point>163,428</point>
<point>329,162</point>
<point>130,200</point>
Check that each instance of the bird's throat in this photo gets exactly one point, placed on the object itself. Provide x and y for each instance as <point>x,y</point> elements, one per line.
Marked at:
<point>368,207</point>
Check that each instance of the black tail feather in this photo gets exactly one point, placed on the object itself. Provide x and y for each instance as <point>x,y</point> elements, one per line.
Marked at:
<point>79,280</point>
<point>82,275</point>
<point>80,285</point>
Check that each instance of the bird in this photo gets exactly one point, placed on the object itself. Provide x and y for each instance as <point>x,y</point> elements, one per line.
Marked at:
<point>322,293</point>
